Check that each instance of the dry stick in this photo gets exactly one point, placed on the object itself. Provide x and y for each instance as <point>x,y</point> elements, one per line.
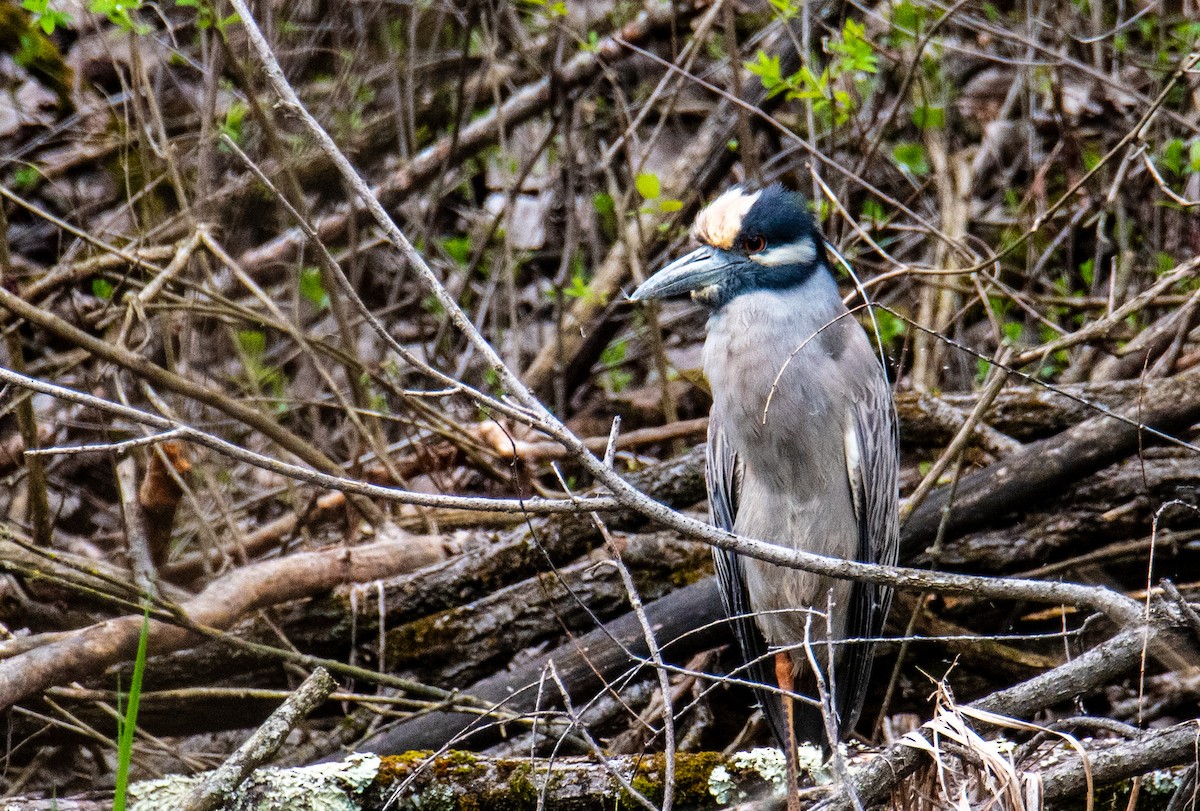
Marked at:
<point>37,484</point>
<point>596,750</point>
<point>1101,327</point>
<point>1185,794</point>
<point>131,258</point>
<point>1152,341</point>
<point>545,451</point>
<point>136,537</point>
<point>951,419</point>
<point>1117,607</point>
<point>219,786</point>
<point>63,275</point>
<point>351,410</point>
<point>635,602</point>
<point>686,621</point>
<point>101,576</point>
<point>664,679</point>
<point>826,695</point>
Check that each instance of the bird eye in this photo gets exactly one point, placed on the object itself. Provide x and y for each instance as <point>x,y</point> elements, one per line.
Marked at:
<point>754,244</point>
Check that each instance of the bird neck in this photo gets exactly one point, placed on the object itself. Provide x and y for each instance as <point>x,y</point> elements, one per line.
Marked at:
<point>809,285</point>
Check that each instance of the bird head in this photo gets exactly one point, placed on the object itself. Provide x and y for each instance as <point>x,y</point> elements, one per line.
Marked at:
<point>762,239</point>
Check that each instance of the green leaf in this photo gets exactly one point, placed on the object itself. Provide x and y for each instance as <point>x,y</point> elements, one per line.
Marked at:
<point>235,116</point>
<point>670,206</point>
<point>908,20</point>
<point>911,158</point>
<point>253,342</point>
<point>603,203</point>
<point>1172,156</point>
<point>1087,271</point>
<point>981,372</point>
<point>1000,305</point>
<point>431,305</point>
<point>312,287</point>
<point>459,249</point>
<point>615,380</point>
<point>102,288</point>
<point>120,13</point>
<point>767,69</point>
<point>614,353</point>
<point>872,211</point>
<point>25,177</point>
<point>854,52</point>
<point>927,117</point>
<point>888,328</point>
<point>47,18</point>
<point>786,9</point>
<point>578,288</point>
<point>648,185</point>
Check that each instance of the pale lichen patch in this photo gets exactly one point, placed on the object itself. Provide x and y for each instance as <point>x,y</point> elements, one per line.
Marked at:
<point>769,765</point>
<point>323,787</point>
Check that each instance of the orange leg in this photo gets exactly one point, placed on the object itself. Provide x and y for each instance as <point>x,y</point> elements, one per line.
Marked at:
<point>787,683</point>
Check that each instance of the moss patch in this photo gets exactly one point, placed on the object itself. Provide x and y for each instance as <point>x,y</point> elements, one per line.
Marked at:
<point>692,771</point>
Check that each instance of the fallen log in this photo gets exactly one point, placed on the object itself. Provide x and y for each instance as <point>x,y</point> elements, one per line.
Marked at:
<point>1047,466</point>
<point>686,621</point>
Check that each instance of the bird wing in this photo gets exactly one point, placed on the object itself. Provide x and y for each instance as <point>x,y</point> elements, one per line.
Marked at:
<point>724,479</point>
<point>872,465</point>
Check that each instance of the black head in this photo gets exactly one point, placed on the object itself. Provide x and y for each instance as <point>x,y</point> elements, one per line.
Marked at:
<point>761,239</point>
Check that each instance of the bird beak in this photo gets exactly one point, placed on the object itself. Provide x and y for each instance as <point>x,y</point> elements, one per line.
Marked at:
<point>700,269</point>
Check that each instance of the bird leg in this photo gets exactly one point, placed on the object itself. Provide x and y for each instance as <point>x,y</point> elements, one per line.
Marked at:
<point>785,676</point>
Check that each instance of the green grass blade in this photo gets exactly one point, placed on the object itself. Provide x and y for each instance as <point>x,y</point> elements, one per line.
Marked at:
<point>129,725</point>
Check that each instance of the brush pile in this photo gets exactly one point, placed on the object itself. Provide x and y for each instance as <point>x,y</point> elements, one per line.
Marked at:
<point>255,424</point>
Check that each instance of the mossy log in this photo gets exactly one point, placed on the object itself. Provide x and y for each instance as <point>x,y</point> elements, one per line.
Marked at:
<point>460,781</point>
<point>1024,412</point>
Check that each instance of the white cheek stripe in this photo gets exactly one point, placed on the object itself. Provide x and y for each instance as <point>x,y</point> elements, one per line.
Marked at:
<point>795,253</point>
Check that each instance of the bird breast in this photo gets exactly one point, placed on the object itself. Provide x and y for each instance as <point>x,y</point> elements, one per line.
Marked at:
<point>779,372</point>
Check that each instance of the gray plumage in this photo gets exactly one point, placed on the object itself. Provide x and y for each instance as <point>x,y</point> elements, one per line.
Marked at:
<point>802,442</point>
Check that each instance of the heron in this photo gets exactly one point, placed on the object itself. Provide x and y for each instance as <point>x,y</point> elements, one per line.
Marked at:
<point>802,452</point>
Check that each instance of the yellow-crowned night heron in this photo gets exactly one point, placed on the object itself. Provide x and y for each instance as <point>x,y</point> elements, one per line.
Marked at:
<point>801,446</point>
